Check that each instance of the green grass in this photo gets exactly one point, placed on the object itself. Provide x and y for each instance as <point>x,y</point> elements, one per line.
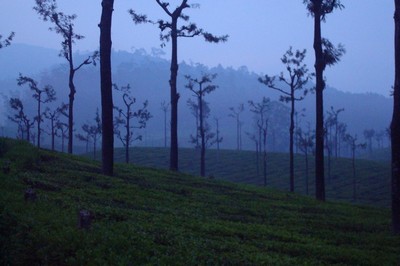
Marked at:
<point>149,216</point>
<point>373,178</point>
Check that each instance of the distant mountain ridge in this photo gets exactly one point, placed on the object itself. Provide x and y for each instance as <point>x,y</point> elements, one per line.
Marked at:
<point>148,74</point>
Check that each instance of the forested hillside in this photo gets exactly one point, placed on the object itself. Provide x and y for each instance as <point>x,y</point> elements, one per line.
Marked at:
<point>148,75</point>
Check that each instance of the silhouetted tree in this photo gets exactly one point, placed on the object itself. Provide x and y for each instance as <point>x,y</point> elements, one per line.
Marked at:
<point>342,129</point>
<point>7,41</point>
<point>298,114</point>
<point>53,116</point>
<point>200,87</point>
<point>333,117</point>
<point>64,26</point>
<point>125,117</point>
<point>325,55</point>
<point>194,108</point>
<point>20,118</point>
<point>298,77</point>
<point>395,126</point>
<point>62,132</point>
<point>379,136</point>
<point>45,95</point>
<point>260,114</point>
<point>352,141</point>
<point>165,109</point>
<point>331,135</point>
<point>235,113</point>
<point>218,139</point>
<point>107,116</point>
<point>84,138</point>
<point>171,31</point>
<point>306,144</point>
<point>92,131</point>
<point>369,135</point>
<point>253,137</point>
<point>328,144</point>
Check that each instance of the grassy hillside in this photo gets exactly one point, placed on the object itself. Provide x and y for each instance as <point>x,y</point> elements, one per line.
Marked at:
<point>373,178</point>
<point>148,216</point>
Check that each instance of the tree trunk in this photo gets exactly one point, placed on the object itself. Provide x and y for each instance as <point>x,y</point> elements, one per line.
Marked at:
<point>94,147</point>
<point>28,133</point>
<point>238,132</point>
<point>62,141</point>
<point>38,119</point>
<point>240,135</point>
<point>336,138</point>
<point>106,88</point>
<point>165,129</point>
<point>174,98</point>
<point>265,156</point>
<point>319,128</point>
<point>218,140</point>
<point>53,133</point>
<point>291,134</point>
<point>202,136</point>
<point>354,172</point>
<point>395,128</point>
<point>306,158</point>
<point>128,133</point>
<point>257,159</point>
<point>72,92</point>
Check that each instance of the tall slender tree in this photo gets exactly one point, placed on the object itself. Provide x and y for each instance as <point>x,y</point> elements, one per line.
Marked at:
<point>325,54</point>
<point>369,135</point>
<point>298,115</point>
<point>64,26</point>
<point>235,113</point>
<point>53,117</point>
<point>44,95</point>
<point>395,126</point>
<point>201,87</point>
<point>125,117</point>
<point>62,132</point>
<point>333,117</point>
<point>92,131</point>
<point>342,131</point>
<point>260,111</point>
<point>306,144</point>
<point>298,78</point>
<point>24,123</point>
<point>84,138</point>
<point>354,145</point>
<point>171,31</point>
<point>331,135</point>
<point>218,139</point>
<point>107,155</point>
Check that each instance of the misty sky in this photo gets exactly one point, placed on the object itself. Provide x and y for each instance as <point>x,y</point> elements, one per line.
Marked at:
<point>260,32</point>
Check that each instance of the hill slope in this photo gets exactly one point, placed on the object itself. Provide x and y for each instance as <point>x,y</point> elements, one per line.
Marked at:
<point>372,178</point>
<point>146,216</point>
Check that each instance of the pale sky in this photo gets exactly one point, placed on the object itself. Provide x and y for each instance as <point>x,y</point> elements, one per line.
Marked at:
<point>260,32</point>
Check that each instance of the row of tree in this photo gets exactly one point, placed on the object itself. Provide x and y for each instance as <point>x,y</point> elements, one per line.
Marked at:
<point>90,131</point>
